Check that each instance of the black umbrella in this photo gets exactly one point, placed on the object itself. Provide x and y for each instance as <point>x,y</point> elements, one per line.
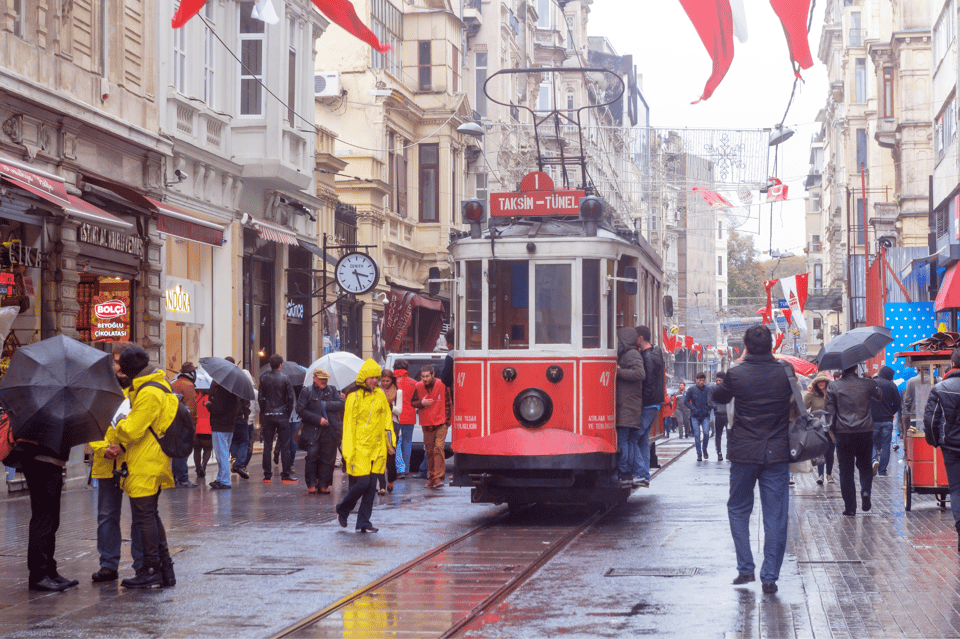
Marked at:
<point>854,346</point>
<point>60,393</point>
<point>230,376</point>
<point>294,371</point>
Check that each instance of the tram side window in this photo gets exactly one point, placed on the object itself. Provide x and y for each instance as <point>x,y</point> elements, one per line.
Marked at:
<point>626,304</point>
<point>474,305</point>
<point>591,303</point>
<point>554,308</point>
<point>509,304</point>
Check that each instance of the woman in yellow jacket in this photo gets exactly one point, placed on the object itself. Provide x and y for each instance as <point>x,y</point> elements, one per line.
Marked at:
<point>148,467</point>
<point>367,435</point>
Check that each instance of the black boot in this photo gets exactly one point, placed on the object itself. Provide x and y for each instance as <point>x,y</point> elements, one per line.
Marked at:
<point>166,572</point>
<point>149,578</point>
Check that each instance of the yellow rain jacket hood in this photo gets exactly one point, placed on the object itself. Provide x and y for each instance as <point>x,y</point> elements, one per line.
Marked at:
<point>367,423</point>
<point>148,465</point>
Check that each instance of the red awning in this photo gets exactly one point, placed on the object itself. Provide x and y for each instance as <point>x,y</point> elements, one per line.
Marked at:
<point>274,233</point>
<point>949,295</point>
<point>399,314</point>
<point>182,222</point>
<point>55,192</point>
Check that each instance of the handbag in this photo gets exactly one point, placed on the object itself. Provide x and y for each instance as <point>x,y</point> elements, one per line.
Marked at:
<point>807,435</point>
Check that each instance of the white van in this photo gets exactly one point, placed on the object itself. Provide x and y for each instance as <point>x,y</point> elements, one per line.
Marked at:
<point>416,361</point>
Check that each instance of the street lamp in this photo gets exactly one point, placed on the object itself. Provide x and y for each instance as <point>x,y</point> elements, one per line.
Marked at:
<point>478,131</point>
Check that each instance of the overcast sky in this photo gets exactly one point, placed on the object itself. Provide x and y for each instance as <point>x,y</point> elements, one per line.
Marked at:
<point>754,94</point>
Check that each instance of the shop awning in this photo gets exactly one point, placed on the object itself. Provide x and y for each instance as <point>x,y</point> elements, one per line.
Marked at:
<point>54,191</point>
<point>182,222</point>
<point>274,233</point>
<point>316,250</point>
<point>949,295</point>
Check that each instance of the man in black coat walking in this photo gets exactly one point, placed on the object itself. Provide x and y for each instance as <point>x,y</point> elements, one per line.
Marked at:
<point>941,428</point>
<point>320,405</point>
<point>276,400</point>
<point>759,452</point>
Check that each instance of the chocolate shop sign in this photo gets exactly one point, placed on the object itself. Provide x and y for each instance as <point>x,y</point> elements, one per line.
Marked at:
<point>115,240</point>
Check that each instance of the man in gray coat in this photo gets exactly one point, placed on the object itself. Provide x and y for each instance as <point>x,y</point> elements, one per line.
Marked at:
<point>630,376</point>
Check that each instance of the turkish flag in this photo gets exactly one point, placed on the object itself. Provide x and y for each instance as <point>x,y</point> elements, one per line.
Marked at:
<point>668,342</point>
<point>713,21</point>
<point>776,190</point>
<point>343,14</point>
<point>793,17</point>
<point>689,342</point>
<point>714,199</point>
<point>187,9</point>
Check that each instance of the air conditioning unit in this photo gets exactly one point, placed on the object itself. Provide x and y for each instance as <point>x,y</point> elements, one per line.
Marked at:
<point>326,84</point>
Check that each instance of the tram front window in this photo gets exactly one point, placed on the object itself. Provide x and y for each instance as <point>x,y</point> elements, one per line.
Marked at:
<point>509,304</point>
<point>553,297</point>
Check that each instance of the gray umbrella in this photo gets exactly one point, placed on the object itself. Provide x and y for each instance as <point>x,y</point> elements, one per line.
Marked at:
<point>294,371</point>
<point>853,347</point>
<point>230,376</point>
<point>60,393</point>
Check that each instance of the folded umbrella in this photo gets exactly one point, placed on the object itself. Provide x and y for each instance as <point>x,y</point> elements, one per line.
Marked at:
<point>60,393</point>
<point>229,376</point>
<point>294,371</point>
<point>853,347</point>
<point>342,366</point>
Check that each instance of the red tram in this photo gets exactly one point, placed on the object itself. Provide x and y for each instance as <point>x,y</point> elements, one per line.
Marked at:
<point>539,300</point>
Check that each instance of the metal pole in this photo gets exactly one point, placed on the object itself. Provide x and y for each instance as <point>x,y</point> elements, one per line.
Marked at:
<point>323,299</point>
<point>866,244</point>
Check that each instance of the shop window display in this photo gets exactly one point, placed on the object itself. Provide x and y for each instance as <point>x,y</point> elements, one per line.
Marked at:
<point>105,313</point>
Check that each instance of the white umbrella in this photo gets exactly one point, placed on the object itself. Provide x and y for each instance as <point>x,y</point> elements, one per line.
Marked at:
<point>342,366</point>
<point>204,380</point>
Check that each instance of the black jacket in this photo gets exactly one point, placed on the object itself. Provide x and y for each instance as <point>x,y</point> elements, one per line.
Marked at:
<point>630,376</point>
<point>761,414</point>
<point>847,404</point>
<point>698,401</point>
<point>653,383</point>
<point>941,418</point>
<point>224,409</point>
<point>884,409</point>
<point>309,409</point>
<point>719,412</point>
<point>276,396</point>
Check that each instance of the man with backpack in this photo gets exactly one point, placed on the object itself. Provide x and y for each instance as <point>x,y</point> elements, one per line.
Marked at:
<point>137,437</point>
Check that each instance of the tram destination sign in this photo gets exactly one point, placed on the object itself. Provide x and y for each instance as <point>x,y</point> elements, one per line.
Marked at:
<point>536,197</point>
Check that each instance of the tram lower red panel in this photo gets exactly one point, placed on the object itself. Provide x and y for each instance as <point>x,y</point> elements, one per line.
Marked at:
<point>533,443</point>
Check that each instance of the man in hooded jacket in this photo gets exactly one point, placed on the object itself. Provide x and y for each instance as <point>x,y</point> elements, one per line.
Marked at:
<point>883,411</point>
<point>153,407</point>
<point>941,428</point>
<point>653,392</point>
<point>367,435</point>
<point>630,376</point>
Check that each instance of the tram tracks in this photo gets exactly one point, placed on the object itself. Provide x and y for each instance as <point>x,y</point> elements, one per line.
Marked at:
<point>444,591</point>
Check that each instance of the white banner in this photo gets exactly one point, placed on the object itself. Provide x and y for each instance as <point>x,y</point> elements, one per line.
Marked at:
<point>789,286</point>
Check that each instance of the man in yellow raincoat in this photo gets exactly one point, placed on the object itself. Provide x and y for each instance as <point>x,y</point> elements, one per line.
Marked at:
<point>148,466</point>
<point>367,434</point>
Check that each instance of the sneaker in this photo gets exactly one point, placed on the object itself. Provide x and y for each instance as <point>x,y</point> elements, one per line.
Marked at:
<point>876,466</point>
<point>266,480</point>
<point>820,480</point>
<point>218,485</point>
<point>643,483</point>
<point>312,490</point>
<point>186,484</point>
<point>829,479</point>
<point>242,472</point>
<point>289,479</point>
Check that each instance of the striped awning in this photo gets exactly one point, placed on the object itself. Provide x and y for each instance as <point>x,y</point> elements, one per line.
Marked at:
<point>274,233</point>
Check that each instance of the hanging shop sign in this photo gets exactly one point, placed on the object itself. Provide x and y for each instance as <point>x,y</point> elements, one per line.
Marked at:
<point>110,312</point>
<point>178,300</point>
<point>114,240</point>
<point>295,311</point>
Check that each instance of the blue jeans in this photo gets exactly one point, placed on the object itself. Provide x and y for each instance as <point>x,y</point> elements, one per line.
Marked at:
<point>627,449</point>
<point>109,537</point>
<point>951,462</point>
<point>240,443</point>
<point>406,442</point>
<point>698,424</point>
<point>882,432</point>
<point>221,448</point>
<point>774,480</point>
<point>641,469</point>
<point>179,467</point>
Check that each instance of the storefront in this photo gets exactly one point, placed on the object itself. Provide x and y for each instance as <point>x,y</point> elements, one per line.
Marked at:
<point>298,305</point>
<point>109,271</point>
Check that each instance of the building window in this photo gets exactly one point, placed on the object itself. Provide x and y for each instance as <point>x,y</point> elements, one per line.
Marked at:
<point>345,224</point>
<point>251,59</point>
<point>429,182</point>
<point>571,105</point>
<point>543,14</point>
<point>720,297</point>
<point>387,24</point>
<point>719,265</point>
<point>944,32</point>
<point>818,276</point>
<point>861,149</point>
<point>423,65</point>
<point>945,129</point>
<point>858,224</point>
<point>18,18</point>
<point>481,188</point>
<point>856,33</point>
<point>860,78</point>
<point>815,243</point>
<point>456,67</point>
<point>454,204</point>
<point>292,74</point>
<point>180,60</point>
<point>480,77</point>
<point>719,229</point>
<point>209,57</point>
<point>888,92</point>
<point>545,95</point>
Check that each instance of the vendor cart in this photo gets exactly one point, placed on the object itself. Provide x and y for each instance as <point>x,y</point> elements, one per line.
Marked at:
<point>924,473</point>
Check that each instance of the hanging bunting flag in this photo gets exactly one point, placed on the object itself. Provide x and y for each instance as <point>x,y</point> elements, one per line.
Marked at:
<point>795,290</point>
<point>776,346</point>
<point>793,17</point>
<point>776,190</point>
<point>787,315</point>
<point>713,20</point>
<point>699,350</point>
<point>688,340</point>
<point>667,341</point>
<point>768,316</point>
<point>714,199</point>
<point>263,10</point>
<point>342,13</point>
<point>186,10</point>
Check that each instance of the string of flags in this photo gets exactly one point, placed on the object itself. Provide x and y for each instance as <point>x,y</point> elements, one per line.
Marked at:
<point>673,342</point>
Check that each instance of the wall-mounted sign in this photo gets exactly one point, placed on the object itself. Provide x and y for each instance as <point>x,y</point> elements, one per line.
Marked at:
<point>110,311</point>
<point>115,240</point>
<point>178,300</point>
<point>14,253</point>
<point>295,310</point>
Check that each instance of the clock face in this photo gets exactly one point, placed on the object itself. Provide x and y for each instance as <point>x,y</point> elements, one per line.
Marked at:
<point>357,273</point>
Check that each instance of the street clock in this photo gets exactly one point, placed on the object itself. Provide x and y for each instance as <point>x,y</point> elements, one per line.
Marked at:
<point>357,273</point>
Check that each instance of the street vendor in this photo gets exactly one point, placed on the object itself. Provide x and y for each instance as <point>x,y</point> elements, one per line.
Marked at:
<point>915,398</point>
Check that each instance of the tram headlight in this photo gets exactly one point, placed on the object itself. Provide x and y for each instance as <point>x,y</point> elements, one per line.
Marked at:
<point>532,407</point>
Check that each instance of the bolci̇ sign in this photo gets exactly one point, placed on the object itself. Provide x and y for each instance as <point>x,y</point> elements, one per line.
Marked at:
<point>110,312</point>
